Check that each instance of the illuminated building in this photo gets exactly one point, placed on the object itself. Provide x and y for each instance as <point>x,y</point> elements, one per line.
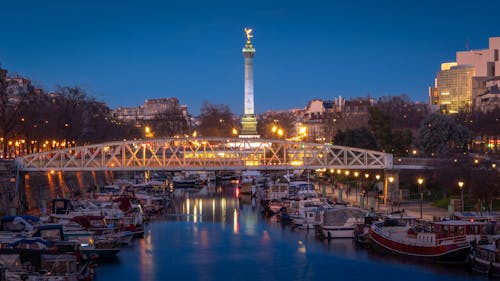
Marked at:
<point>469,83</point>
<point>150,109</point>
<point>454,88</point>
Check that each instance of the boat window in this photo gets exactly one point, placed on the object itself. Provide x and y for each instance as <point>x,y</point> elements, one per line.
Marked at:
<point>50,234</point>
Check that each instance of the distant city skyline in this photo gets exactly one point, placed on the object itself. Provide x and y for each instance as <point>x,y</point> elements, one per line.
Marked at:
<point>124,52</point>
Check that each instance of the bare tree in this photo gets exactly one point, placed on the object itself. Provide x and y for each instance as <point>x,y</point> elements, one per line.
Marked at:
<point>170,122</point>
<point>216,120</point>
<point>281,120</point>
<point>12,106</point>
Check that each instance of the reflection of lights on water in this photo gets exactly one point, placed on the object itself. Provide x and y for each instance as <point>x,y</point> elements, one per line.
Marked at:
<point>204,238</point>
<point>236,226</point>
<point>195,213</point>
<point>62,185</point>
<point>265,236</point>
<point>146,258</point>
<point>52,186</point>
<point>200,210</point>
<point>223,209</point>
<point>302,247</point>
<point>187,209</point>
<point>213,210</point>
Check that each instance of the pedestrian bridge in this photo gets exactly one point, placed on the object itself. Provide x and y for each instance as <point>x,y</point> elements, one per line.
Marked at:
<point>204,154</point>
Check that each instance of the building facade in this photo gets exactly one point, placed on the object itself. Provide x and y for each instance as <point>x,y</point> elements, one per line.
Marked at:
<point>324,118</point>
<point>462,85</point>
<point>149,110</point>
<point>454,87</point>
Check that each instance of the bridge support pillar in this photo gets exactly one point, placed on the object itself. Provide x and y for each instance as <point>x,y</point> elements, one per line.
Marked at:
<point>391,190</point>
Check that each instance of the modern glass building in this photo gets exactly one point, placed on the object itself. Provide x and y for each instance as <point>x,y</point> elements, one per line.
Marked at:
<point>454,86</point>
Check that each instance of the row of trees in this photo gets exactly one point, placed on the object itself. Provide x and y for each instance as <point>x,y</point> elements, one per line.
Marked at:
<point>394,126</point>
<point>34,120</point>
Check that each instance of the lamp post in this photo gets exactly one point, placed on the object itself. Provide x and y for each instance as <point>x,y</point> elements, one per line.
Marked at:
<point>420,190</point>
<point>348,184</point>
<point>391,179</point>
<point>461,187</point>
<point>366,178</point>
<point>377,177</point>
<point>356,174</point>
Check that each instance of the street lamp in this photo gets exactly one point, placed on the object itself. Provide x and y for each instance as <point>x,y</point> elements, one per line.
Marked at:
<point>348,184</point>
<point>420,182</point>
<point>280,132</point>
<point>391,179</point>
<point>461,187</point>
<point>148,133</point>
<point>356,174</point>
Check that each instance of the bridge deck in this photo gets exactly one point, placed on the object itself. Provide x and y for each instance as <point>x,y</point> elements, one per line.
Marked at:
<point>181,154</point>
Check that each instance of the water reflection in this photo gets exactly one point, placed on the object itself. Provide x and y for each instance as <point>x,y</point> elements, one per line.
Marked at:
<point>147,262</point>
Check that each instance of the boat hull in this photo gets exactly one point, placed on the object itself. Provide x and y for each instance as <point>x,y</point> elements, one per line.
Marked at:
<point>480,266</point>
<point>456,253</point>
<point>338,232</point>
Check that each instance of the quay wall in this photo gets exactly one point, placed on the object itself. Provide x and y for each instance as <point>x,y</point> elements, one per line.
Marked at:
<point>34,192</point>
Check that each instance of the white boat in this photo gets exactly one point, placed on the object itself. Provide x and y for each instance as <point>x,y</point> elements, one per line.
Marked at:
<point>306,213</point>
<point>248,181</point>
<point>302,190</point>
<point>341,221</point>
<point>276,191</point>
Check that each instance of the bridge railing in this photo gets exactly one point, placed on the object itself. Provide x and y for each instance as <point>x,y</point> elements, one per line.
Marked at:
<point>205,154</point>
<point>420,162</point>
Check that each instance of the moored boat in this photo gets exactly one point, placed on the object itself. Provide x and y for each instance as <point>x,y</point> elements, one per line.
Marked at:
<point>444,241</point>
<point>485,257</point>
<point>341,221</point>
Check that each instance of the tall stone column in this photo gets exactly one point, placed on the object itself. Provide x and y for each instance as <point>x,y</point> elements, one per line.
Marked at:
<point>248,121</point>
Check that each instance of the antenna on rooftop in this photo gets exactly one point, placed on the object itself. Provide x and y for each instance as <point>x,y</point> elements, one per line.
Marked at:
<point>467,44</point>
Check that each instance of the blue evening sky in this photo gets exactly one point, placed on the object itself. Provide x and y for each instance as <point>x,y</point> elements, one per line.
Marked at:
<point>123,52</point>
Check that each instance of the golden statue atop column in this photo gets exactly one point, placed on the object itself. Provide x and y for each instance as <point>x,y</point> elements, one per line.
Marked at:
<point>248,31</point>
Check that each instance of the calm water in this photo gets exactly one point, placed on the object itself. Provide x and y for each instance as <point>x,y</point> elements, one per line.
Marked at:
<point>212,235</point>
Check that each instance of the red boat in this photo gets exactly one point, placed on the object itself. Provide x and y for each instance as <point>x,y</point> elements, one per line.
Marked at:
<point>444,241</point>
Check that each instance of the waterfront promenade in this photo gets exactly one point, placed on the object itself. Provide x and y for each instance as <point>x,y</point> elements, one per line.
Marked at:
<point>411,207</point>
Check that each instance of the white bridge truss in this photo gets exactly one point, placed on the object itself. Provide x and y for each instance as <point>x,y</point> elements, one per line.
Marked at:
<point>203,154</point>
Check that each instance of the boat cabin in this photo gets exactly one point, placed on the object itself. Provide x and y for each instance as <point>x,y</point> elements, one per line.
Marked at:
<point>61,206</point>
<point>471,230</point>
<point>302,188</point>
<point>278,191</point>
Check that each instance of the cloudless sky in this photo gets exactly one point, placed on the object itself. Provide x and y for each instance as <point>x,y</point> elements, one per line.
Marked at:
<point>123,52</point>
